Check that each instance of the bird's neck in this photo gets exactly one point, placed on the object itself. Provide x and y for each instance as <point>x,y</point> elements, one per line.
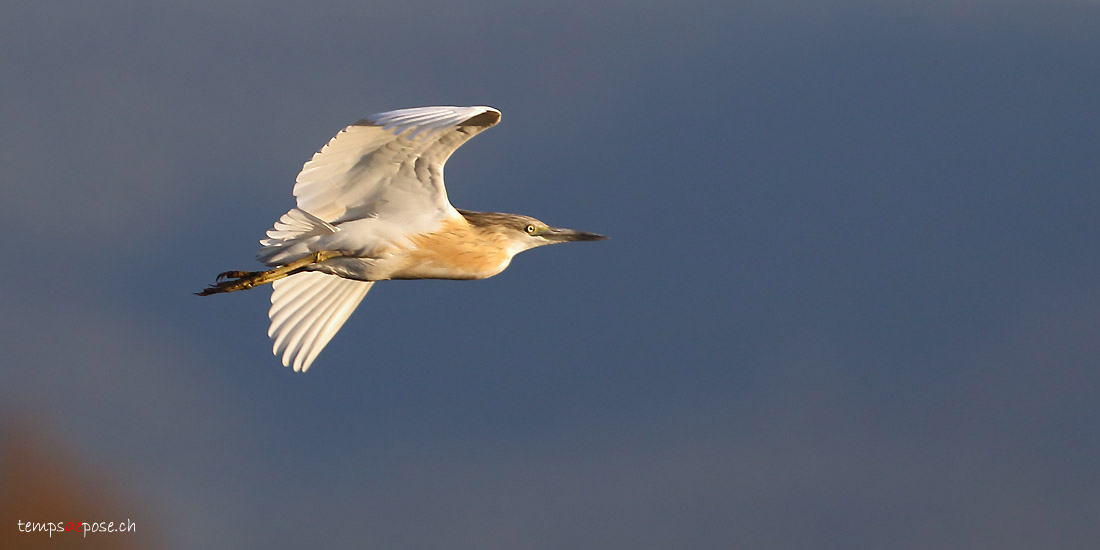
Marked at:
<point>458,250</point>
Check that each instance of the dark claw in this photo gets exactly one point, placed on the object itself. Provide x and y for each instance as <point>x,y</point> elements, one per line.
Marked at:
<point>234,275</point>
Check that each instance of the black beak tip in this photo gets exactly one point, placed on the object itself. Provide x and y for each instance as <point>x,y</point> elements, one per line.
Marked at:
<point>571,235</point>
<point>585,236</point>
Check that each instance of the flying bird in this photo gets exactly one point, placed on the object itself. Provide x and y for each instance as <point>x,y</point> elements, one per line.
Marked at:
<point>372,207</point>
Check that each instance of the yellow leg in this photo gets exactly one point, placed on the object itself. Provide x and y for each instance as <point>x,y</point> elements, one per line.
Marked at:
<point>244,280</point>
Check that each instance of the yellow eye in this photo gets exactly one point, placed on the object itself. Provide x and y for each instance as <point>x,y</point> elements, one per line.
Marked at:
<point>530,229</point>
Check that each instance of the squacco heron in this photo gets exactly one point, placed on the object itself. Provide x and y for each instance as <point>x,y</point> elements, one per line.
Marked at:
<point>372,207</point>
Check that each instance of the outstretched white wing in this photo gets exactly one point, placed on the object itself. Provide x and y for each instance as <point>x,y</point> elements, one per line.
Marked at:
<point>307,309</point>
<point>390,165</point>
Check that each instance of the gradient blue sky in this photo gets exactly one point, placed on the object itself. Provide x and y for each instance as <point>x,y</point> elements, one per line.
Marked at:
<point>851,297</point>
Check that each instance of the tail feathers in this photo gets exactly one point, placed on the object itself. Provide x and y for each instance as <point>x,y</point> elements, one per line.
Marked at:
<point>307,309</point>
<point>289,238</point>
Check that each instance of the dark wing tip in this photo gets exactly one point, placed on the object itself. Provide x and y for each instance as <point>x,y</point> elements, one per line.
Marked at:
<point>484,120</point>
<point>490,117</point>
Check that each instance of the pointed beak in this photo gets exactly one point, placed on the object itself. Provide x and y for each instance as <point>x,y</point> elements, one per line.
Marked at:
<point>558,234</point>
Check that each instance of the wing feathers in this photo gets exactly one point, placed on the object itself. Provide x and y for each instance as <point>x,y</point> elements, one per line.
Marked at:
<point>290,237</point>
<point>290,309</point>
<point>335,314</point>
<point>307,310</point>
<point>365,170</point>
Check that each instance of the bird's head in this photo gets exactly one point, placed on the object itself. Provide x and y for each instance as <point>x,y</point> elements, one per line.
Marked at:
<point>524,232</point>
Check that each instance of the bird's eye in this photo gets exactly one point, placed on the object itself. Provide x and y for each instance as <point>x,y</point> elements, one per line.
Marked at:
<point>530,229</point>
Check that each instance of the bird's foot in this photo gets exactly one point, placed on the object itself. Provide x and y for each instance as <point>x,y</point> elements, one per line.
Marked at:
<point>235,275</point>
<point>232,281</point>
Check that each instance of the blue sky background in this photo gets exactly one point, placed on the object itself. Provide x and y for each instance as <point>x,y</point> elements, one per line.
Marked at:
<point>851,297</point>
